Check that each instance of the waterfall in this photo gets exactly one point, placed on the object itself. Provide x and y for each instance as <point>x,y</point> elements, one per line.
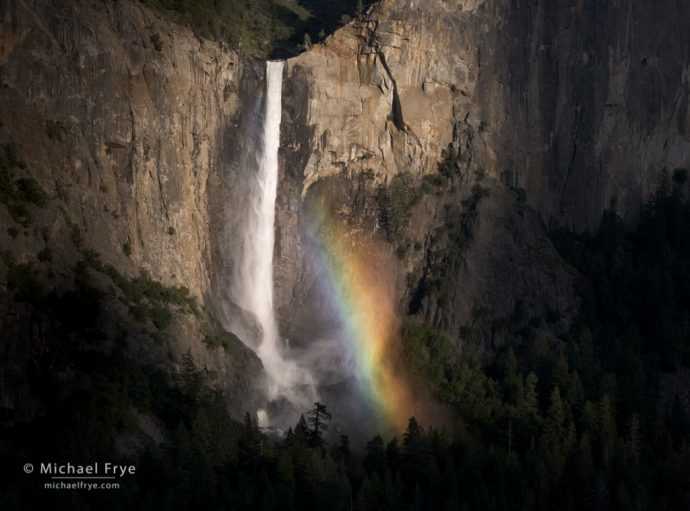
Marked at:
<point>257,260</point>
<point>286,379</point>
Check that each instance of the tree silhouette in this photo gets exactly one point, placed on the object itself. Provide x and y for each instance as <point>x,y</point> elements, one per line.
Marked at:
<point>316,420</point>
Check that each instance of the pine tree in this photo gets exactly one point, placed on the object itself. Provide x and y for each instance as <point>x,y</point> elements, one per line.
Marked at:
<point>608,433</point>
<point>413,458</point>
<point>375,458</point>
<point>306,41</point>
<point>413,435</point>
<point>251,441</point>
<point>285,484</point>
<point>555,435</point>
<point>555,418</point>
<point>301,433</point>
<point>201,432</point>
<point>393,456</point>
<point>633,440</point>
<point>342,453</point>
<point>360,8</point>
<point>317,424</point>
<point>190,377</point>
<point>584,469</point>
<point>529,404</point>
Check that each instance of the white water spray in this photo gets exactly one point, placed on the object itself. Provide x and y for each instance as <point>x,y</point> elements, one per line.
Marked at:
<point>286,379</point>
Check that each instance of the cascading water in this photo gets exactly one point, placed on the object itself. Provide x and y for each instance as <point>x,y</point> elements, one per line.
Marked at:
<point>286,379</point>
<point>340,361</point>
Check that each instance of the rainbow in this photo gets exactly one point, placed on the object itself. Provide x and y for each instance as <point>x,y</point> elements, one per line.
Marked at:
<point>361,287</point>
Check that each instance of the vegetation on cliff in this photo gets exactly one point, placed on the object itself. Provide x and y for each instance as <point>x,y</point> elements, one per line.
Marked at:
<point>266,28</point>
<point>18,194</point>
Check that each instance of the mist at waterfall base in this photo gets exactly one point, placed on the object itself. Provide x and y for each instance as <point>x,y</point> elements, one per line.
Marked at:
<point>357,285</point>
<point>351,365</point>
<point>352,354</point>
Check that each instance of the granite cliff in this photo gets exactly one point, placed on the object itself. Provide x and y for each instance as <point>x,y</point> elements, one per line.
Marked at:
<point>454,131</point>
<point>569,107</point>
<point>124,120</point>
<point>581,104</point>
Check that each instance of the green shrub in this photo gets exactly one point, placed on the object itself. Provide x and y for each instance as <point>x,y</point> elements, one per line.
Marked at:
<point>680,176</point>
<point>366,177</point>
<point>20,213</point>
<point>55,130</point>
<point>17,193</point>
<point>23,280</point>
<point>28,190</point>
<point>156,41</point>
<point>45,255</point>
<point>396,203</point>
<point>226,340</point>
<point>403,249</point>
<point>7,258</point>
<point>146,299</point>
<point>171,231</point>
<point>432,182</point>
<point>92,259</point>
<point>75,234</point>
<point>12,158</point>
<point>6,183</point>
<point>161,317</point>
<point>480,191</point>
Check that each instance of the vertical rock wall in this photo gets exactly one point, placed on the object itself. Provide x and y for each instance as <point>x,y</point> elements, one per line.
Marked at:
<point>580,103</point>
<point>576,106</point>
<point>129,123</point>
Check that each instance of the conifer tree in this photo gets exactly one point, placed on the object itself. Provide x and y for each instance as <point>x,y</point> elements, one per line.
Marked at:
<point>317,424</point>
<point>375,458</point>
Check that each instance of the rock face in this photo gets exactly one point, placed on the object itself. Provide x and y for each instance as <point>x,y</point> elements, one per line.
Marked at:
<point>128,123</point>
<point>579,106</point>
<point>579,103</point>
<point>451,129</point>
<point>142,110</point>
